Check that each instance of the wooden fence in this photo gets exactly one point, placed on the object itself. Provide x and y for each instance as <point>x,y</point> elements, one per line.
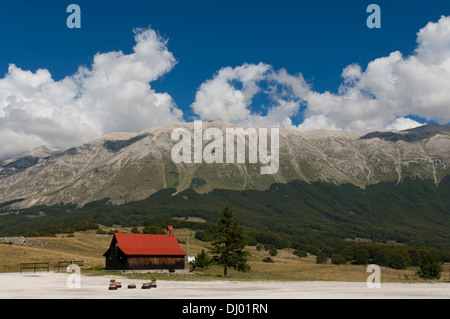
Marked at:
<point>46,265</point>
<point>34,266</point>
<point>65,263</point>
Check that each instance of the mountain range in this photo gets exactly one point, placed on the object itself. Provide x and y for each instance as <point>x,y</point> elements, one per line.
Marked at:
<point>131,166</point>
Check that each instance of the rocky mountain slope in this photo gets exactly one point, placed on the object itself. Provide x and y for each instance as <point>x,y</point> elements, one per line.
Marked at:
<point>132,166</point>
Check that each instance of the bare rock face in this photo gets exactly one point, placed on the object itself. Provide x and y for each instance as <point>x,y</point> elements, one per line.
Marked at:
<point>23,241</point>
<point>132,166</point>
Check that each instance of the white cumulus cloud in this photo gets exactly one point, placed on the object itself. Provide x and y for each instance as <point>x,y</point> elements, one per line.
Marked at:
<point>219,98</point>
<point>384,95</point>
<point>113,94</point>
<point>229,95</point>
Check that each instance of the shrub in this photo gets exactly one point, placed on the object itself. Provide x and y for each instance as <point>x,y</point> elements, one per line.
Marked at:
<point>273,251</point>
<point>430,267</point>
<point>204,235</point>
<point>361,256</point>
<point>203,259</point>
<point>338,259</point>
<point>268,260</point>
<point>313,250</point>
<point>153,230</point>
<point>398,261</point>
<point>301,253</point>
<point>329,251</point>
<point>270,239</point>
<point>321,258</point>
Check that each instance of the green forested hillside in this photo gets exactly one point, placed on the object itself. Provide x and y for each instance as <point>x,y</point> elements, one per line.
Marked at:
<point>414,212</point>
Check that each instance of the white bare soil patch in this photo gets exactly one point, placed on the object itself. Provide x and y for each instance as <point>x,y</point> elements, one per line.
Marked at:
<point>43,285</point>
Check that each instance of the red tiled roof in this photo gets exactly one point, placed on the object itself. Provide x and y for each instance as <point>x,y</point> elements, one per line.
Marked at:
<point>145,244</point>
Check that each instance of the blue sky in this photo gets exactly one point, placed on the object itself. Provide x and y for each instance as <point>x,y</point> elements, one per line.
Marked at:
<point>314,39</point>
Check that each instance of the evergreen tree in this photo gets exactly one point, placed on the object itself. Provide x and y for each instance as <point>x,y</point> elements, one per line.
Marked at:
<point>338,259</point>
<point>329,251</point>
<point>155,230</point>
<point>430,267</point>
<point>228,248</point>
<point>321,258</point>
<point>203,260</point>
<point>361,255</point>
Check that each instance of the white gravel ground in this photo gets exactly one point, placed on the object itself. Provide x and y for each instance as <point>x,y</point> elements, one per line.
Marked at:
<point>43,285</point>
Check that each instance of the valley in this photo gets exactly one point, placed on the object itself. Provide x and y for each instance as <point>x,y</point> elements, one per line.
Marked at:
<point>89,247</point>
<point>333,190</point>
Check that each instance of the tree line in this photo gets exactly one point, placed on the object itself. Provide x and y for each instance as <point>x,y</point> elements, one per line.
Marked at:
<point>414,212</point>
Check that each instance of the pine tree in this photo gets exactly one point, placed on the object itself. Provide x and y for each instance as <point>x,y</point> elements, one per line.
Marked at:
<point>203,260</point>
<point>228,248</point>
<point>430,267</point>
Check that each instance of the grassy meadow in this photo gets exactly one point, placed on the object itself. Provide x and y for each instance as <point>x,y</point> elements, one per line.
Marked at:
<point>89,247</point>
